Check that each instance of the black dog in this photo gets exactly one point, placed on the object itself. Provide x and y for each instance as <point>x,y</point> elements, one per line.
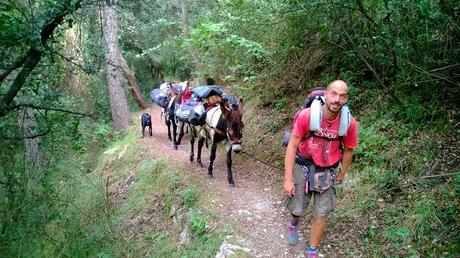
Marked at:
<point>146,120</point>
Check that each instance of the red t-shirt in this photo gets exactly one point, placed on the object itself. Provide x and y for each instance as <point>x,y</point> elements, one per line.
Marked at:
<point>323,152</point>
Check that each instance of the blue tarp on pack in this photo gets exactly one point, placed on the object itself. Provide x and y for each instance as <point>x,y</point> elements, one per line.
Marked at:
<point>159,97</point>
<point>231,100</point>
<point>197,115</point>
<point>207,90</point>
<point>183,111</point>
<point>177,86</point>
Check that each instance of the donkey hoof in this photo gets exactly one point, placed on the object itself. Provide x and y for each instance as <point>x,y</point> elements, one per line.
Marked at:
<point>232,184</point>
<point>175,147</point>
<point>198,162</point>
<point>210,175</point>
<point>191,158</point>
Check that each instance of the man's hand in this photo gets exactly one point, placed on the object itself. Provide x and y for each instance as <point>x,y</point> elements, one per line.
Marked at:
<point>340,176</point>
<point>289,187</point>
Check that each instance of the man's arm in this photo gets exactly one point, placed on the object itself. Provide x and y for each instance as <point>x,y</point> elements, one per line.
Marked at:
<point>346,163</point>
<point>289,162</point>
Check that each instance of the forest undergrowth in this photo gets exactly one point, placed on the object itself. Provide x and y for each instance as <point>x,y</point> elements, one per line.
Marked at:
<point>124,204</point>
<point>404,185</point>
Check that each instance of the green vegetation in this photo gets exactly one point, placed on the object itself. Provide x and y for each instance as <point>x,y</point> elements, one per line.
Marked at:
<point>94,213</point>
<point>400,59</point>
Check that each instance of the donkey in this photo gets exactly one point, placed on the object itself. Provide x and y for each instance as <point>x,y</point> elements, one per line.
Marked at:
<point>175,98</point>
<point>223,125</point>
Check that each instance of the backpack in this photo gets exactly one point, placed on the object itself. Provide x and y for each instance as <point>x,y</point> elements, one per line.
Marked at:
<point>315,100</point>
<point>315,94</point>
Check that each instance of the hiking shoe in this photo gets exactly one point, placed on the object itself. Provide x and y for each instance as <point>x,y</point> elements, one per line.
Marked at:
<point>293,235</point>
<point>312,255</point>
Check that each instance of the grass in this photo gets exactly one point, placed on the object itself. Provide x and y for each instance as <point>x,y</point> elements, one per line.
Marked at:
<point>410,211</point>
<point>122,208</point>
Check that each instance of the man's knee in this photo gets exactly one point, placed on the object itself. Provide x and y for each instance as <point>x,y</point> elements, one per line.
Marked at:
<point>319,218</point>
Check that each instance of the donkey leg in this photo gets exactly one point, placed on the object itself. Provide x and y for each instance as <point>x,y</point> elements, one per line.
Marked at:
<point>200,147</point>
<point>150,130</point>
<point>181,132</point>
<point>192,143</point>
<point>229,167</point>
<point>143,131</point>
<point>212,158</point>
<point>174,127</point>
<point>168,124</point>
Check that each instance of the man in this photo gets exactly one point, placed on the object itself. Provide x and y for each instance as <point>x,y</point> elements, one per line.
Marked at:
<point>325,149</point>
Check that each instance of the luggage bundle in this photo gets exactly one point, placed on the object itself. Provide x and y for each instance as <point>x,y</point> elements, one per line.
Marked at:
<point>207,91</point>
<point>159,95</point>
<point>231,100</point>
<point>183,110</point>
<point>197,115</point>
<point>193,110</point>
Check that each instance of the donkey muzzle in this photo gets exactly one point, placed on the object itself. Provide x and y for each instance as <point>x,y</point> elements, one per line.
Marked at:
<point>236,146</point>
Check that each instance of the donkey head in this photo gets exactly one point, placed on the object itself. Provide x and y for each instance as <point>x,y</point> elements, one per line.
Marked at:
<point>235,124</point>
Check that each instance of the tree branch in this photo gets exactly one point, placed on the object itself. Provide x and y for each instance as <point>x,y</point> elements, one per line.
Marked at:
<point>13,67</point>
<point>33,58</point>
<point>67,59</point>
<point>28,137</point>
<point>420,69</point>
<point>362,10</point>
<point>55,109</point>
<point>442,175</point>
<point>134,88</point>
<point>356,49</point>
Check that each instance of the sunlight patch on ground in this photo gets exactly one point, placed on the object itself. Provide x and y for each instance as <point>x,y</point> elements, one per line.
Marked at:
<point>230,250</point>
<point>122,152</point>
<point>111,151</point>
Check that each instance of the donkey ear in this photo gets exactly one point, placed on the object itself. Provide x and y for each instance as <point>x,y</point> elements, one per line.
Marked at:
<point>240,107</point>
<point>225,110</point>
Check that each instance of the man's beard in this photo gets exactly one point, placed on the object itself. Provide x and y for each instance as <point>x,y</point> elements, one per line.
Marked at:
<point>332,109</point>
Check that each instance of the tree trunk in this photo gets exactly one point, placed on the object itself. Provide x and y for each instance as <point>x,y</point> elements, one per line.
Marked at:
<point>186,34</point>
<point>132,83</point>
<point>34,155</point>
<point>28,125</point>
<point>72,52</point>
<point>120,111</point>
<point>154,68</point>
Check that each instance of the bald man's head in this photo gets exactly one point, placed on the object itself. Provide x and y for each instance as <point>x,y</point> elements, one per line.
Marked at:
<point>336,95</point>
<point>338,84</point>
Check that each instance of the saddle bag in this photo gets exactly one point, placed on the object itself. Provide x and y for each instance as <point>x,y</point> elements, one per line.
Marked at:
<point>183,112</point>
<point>197,115</point>
<point>317,179</point>
<point>320,181</point>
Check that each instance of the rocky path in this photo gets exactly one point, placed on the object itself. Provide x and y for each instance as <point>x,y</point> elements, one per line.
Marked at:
<point>253,209</point>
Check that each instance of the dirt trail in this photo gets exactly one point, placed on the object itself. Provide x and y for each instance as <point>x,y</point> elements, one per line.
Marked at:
<point>253,209</point>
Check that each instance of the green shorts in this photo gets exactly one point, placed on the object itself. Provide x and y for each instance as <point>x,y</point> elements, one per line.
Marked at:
<point>323,202</point>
